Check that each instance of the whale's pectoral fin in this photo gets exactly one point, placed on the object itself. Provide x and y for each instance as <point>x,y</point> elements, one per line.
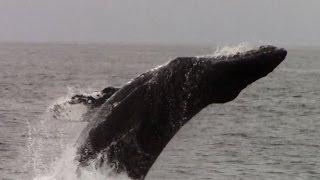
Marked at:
<point>94,101</point>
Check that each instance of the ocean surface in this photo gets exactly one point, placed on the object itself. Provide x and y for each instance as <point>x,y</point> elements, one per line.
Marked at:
<point>271,131</point>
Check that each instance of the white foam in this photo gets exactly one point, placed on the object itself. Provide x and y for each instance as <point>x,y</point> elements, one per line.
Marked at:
<point>231,50</point>
<point>66,168</point>
<point>61,109</point>
<point>59,163</point>
<point>160,66</point>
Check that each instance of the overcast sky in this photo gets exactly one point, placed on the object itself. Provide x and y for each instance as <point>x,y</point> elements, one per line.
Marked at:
<point>294,22</point>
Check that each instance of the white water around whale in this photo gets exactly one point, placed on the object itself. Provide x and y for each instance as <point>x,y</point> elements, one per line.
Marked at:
<point>271,131</point>
<point>64,167</point>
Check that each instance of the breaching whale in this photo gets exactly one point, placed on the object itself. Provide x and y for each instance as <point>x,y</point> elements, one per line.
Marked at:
<point>133,124</point>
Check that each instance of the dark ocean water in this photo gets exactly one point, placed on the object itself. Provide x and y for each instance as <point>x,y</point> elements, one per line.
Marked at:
<point>271,131</point>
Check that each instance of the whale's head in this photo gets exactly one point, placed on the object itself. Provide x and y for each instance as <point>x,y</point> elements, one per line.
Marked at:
<point>226,76</point>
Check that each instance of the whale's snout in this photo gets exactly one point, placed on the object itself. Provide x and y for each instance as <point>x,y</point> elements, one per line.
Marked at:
<point>266,60</point>
<point>256,64</point>
<point>281,54</point>
<point>230,75</point>
<point>274,54</point>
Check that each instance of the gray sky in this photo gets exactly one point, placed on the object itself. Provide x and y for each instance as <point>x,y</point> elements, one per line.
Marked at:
<point>294,22</point>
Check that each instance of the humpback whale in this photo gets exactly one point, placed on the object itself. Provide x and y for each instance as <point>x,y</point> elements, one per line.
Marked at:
<point>133,124</point>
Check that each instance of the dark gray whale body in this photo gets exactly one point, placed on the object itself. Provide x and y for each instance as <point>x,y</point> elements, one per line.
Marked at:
<point>133,126</point>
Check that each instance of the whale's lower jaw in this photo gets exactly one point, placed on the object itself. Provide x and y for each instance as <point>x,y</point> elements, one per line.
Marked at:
<point>134,125</point>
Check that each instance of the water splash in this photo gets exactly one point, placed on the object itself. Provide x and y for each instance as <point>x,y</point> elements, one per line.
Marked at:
<point>64,108</point>
<point>66,168</point>
<point>51,140</point>
<point>231,50</point>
